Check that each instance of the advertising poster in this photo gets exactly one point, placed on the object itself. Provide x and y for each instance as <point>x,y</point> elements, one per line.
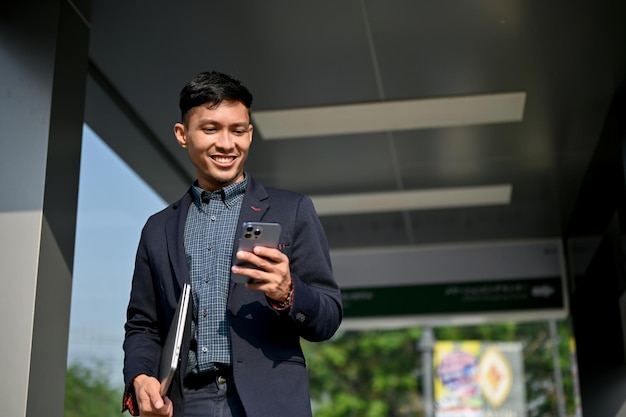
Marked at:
<point>479,379</point>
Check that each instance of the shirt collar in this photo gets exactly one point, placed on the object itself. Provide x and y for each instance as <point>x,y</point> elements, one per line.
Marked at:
<point>227,194</point>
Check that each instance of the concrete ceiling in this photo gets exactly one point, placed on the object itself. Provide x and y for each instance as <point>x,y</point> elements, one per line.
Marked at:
<point>564,58</point>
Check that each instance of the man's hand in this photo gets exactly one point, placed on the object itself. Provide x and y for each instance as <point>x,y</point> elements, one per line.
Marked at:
<point>273,277</point>
<point>149,398</point>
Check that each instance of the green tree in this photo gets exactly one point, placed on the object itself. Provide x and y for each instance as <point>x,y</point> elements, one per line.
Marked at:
<point>366,374</point>
<point>378,373</point>
<point>88,393</point>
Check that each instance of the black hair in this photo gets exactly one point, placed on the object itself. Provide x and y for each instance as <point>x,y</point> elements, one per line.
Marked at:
<point>212,87</point>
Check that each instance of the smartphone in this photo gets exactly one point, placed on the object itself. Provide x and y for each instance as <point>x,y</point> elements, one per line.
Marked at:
<point>255,234</point>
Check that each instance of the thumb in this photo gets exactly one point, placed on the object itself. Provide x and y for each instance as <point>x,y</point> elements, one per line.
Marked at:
<point>158,402</point>
<point>168,407</point>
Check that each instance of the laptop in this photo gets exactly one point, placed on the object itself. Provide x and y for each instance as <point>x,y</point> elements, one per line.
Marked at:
<point>170,356</point>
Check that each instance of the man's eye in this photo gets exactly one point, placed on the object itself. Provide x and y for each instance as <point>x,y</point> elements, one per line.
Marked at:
<point>209,129</point>
<point>239,132</point>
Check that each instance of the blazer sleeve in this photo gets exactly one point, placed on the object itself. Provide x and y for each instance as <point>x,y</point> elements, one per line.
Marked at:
<point>143,335</point>
<point>142,339</point>
<point>316,305</point>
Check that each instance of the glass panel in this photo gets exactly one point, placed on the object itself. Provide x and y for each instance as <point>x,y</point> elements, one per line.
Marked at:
<point>113,205</point>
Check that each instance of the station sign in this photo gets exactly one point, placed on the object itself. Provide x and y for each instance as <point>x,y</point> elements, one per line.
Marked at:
<point>474,283</point>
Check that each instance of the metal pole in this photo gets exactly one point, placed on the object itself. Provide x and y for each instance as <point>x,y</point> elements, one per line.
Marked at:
<point>556,360</point>
<point>426,345</point>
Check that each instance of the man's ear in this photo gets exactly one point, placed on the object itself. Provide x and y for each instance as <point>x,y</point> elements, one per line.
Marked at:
<point>251,132</point>
<point>179,132</point>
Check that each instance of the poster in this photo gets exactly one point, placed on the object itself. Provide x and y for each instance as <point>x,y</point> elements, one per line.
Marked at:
<point>479,379</point>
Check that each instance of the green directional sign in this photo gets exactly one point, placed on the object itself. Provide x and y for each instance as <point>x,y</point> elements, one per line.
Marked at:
<point>542,293</point>
<point>473,282</point>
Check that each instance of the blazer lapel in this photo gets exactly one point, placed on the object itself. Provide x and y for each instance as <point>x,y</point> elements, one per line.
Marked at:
<point>253,207</point>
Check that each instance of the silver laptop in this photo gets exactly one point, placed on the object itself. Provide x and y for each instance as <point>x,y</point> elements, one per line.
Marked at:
<point>170,356</point>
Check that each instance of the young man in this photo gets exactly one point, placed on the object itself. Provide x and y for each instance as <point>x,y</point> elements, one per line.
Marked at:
<point>241,351</point>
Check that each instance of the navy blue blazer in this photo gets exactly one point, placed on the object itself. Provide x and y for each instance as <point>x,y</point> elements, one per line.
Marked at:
<point>268,364</point>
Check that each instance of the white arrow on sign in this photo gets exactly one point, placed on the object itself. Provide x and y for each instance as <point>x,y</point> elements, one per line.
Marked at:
<point>542,291</point>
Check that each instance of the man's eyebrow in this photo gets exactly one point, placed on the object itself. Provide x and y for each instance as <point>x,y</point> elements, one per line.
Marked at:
<point>215,122</point>
<point>207,121</point>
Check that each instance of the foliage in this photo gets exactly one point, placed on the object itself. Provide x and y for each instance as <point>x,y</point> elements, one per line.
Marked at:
<point>365,374</point>
<point>88,393</point>
<point>377,373</point>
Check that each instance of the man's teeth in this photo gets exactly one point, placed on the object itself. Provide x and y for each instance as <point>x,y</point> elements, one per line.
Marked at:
<point>223,158</point>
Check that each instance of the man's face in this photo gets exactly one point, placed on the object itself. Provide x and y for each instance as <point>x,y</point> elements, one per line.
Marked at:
<point>218,139</point>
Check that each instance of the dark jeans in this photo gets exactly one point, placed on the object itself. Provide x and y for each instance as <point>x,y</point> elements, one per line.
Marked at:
<point>215,398</point>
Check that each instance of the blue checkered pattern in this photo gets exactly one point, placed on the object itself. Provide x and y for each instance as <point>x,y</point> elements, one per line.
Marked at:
<point>209,236</point>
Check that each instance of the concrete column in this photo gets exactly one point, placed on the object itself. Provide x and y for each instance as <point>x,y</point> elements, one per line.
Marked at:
<point>43,67</point>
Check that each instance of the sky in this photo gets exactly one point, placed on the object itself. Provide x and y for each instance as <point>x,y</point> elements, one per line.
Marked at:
<point>113,205</point>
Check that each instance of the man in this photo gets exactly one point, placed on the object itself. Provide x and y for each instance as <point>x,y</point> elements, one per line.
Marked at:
<point>241,352</point>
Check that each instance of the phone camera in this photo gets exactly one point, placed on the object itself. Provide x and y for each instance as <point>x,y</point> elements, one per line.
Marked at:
<point>252,232</point>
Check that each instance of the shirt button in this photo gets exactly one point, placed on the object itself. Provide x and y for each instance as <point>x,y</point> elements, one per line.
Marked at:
<point>204,313</point>
<point>213,218</point>
<point>205,349</point>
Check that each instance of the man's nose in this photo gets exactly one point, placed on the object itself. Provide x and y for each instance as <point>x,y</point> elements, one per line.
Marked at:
<point>225,140</point>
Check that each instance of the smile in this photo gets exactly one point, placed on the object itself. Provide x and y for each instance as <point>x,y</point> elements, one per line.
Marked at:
<point>223,159</point>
